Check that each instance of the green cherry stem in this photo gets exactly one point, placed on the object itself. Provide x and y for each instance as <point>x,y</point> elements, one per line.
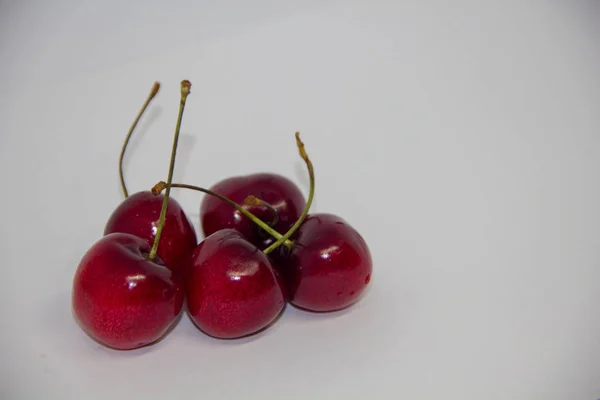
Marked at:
<point>153,93</point>
<point>311,195</point>
<point>252,200</point>
<point>160,186</point>
<point>185,91</point>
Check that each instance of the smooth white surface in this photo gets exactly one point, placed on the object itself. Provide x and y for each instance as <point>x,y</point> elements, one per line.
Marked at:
<point>462,139</point>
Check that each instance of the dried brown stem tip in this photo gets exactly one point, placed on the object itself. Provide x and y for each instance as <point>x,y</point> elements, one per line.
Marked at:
<point>155,89</point>
<point>159,187</point>
<point>186,86</point>
<point>301,147</point>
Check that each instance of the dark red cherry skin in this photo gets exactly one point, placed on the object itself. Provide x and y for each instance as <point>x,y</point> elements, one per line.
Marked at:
<point>138,215</point>
<point>231,289</point>
<point>330,265</point>
<point>120,298</point>
<point>278,191</point>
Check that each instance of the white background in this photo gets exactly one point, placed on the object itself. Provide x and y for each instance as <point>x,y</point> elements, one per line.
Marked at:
<point>462,139</point>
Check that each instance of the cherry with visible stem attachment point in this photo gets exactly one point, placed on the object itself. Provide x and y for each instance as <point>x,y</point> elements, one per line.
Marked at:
<point>185,91</point>
<point>255,201</point>
<point>153,93</point>
<point>250,200</point>
<point>138,213</point>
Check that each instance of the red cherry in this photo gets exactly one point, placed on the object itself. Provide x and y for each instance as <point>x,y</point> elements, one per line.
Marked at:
<point>122,299</point>
<point>232,290</point>
<point>138,215</point>
<point>330,265</point>
<point>281,193</point>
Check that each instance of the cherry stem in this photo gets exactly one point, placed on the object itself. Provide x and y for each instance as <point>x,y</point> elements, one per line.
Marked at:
<point>185,91</point>
<point>160,186</point>
<point>252,200</point>
<point>153,93</point>
<point>311,194</point>
<point>255,201</point>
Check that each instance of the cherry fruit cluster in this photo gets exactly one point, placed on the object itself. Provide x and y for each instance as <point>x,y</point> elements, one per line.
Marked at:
<point>262,249</point>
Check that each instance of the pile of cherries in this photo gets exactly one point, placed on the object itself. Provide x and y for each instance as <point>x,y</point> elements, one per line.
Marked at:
<point>131,285</point>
